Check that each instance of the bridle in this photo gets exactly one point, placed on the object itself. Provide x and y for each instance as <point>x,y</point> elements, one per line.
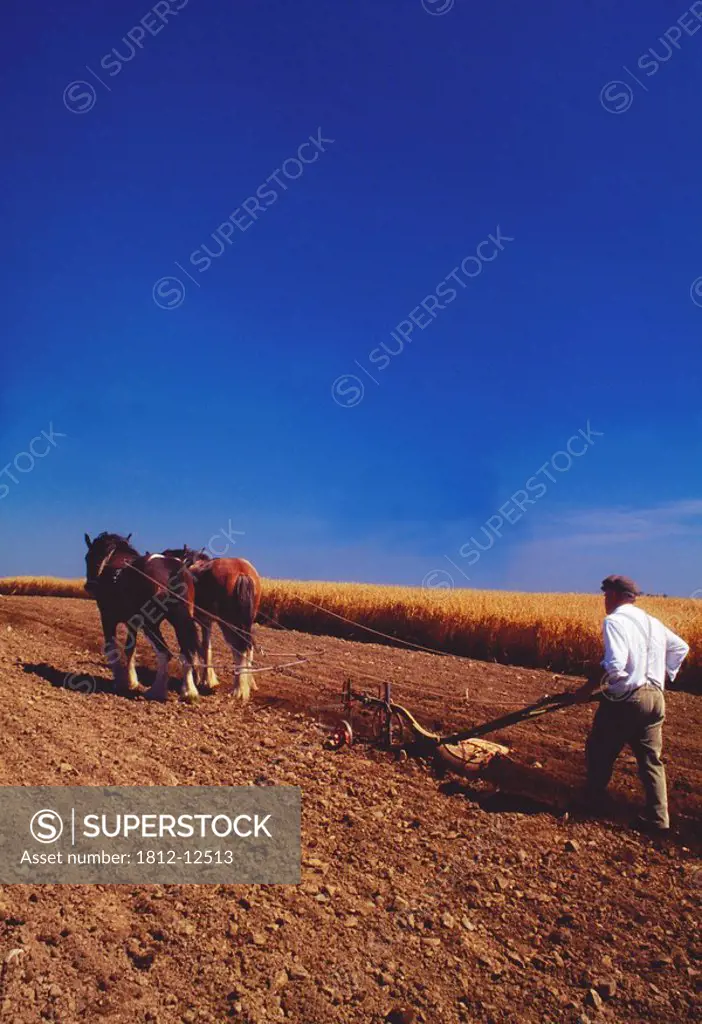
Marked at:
<point>102,566</point>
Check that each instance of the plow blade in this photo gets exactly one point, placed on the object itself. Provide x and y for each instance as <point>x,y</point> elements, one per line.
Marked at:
<point>469,757</point>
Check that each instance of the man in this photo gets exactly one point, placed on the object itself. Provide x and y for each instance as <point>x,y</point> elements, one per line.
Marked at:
<point>639,652</point>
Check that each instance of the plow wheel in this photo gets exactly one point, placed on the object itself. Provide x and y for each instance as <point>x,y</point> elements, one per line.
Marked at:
<point>341,737</point>
<point>388,728</point>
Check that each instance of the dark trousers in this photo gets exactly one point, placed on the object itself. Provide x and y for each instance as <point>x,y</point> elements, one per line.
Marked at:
<point>638,722</point>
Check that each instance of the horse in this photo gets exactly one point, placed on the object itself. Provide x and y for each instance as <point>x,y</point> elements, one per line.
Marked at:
<point>143,591</point>
<point>188,556</point>
<point>228,592</point>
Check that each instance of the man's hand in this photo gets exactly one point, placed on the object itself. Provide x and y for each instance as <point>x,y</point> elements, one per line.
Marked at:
<point>586,692</point>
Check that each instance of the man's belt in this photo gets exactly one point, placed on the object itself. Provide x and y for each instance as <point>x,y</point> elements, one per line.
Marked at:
<point>618,697</point>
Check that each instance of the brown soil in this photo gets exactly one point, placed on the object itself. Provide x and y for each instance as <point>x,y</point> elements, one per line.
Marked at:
<point>419,894</point>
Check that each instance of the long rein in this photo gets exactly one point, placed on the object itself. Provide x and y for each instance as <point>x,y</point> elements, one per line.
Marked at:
<point>302,660</point>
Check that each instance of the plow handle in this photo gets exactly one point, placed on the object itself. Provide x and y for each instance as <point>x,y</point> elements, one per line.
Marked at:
<point>542,707</point>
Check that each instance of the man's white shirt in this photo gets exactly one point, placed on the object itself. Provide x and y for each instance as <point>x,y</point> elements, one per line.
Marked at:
<point>639,649</point>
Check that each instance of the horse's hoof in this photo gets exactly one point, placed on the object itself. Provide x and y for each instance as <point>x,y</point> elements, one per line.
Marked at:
<point>208,683</point>
<point>158,696</point>
<point>190,698</point>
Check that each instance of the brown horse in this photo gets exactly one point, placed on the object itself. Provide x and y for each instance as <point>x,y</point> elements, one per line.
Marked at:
<point>142,591</point>
<point>228,592</point>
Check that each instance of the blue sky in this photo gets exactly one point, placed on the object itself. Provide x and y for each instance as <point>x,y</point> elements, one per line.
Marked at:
<point>253,394</point>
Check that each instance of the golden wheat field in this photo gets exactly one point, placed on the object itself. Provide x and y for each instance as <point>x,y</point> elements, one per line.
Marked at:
<point>560,632</point>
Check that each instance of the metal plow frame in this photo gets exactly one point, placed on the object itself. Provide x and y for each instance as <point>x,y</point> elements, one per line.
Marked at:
<point>465,753</point>
<point>393,727</point>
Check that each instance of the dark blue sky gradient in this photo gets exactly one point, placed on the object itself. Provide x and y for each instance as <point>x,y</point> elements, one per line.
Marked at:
<point>220,411</point>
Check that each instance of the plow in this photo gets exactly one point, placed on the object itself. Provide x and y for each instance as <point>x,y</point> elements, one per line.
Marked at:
<point>378,720</point>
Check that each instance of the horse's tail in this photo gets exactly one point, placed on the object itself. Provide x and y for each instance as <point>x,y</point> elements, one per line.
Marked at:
<point>242,605</point>
<point>244,597</point>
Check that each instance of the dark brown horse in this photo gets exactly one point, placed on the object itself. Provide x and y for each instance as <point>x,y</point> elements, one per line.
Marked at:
<point>228,592</point>
<point>142,591</point>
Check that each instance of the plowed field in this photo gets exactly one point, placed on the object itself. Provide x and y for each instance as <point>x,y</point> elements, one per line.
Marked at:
<point>433,897</point>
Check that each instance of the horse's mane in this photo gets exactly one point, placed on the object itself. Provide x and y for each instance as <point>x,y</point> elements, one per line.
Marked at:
<point>122,544</point>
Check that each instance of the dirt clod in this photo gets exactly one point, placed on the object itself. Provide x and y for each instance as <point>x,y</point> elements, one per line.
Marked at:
<point>607,989</point>
<point>594,999</point>
<point>398,1016</point>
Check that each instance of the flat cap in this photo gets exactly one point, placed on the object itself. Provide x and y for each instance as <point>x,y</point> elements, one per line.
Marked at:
<point>621,585</point>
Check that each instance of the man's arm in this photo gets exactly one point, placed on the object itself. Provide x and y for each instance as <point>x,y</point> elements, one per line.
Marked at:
<point>616,651</point>
<point>613,663</point>
<point>676,651</point>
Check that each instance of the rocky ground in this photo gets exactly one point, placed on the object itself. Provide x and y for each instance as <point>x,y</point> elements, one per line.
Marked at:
<point>421,899</point>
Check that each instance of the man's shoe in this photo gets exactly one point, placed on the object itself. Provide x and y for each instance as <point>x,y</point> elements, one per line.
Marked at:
<point>648,827</point>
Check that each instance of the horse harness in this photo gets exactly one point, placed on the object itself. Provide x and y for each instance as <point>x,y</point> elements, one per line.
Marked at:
<point>112,575</point>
